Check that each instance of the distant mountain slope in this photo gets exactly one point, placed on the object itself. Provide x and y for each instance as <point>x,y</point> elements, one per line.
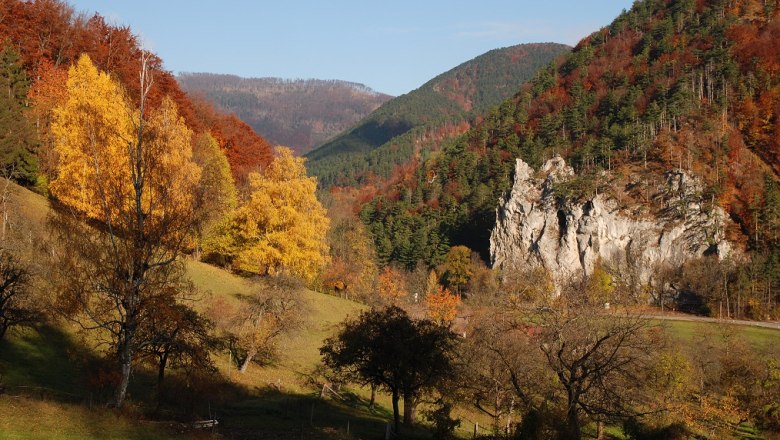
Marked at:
<point>300,114</point>
<point>682,85</point>
<point>397,131</point>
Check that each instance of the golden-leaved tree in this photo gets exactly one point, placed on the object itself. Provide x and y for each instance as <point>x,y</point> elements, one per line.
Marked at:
<point>217,195</point>
<point>281,227</point>
<point>125,184</point>
<point>91,131</point>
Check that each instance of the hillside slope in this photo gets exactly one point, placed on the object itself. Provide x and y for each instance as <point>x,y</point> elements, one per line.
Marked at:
<point>396,132</point>
<point>46,378</point>
<point>668,85</point>
<point>301,114</point>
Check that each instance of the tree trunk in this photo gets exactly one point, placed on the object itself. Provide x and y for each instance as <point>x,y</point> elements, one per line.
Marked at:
<point>396,414</point>
<point>125,354</point>
<point>249,356</point>
<point>410,405</point>
<point>373,397</point>
<point>161,369</point>
<point>126,366</point>
<point>573,424</point>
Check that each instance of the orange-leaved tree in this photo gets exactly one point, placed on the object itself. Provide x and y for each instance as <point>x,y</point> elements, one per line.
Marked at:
<point>47,92</point>
<point>390,286</point>
<point>442,305</point>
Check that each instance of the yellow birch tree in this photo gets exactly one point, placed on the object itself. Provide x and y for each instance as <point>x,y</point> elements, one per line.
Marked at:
<point>129,172</point>
<point>91,132</point>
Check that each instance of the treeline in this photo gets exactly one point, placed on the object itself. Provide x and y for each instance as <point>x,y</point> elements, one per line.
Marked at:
<point>667,85</point>
<point>398,131</point>
<point>300,113</point>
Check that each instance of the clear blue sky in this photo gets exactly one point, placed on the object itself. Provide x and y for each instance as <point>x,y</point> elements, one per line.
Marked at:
<point>392,46</point>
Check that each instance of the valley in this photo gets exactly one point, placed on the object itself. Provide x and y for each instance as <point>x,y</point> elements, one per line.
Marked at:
<point>547,241</point>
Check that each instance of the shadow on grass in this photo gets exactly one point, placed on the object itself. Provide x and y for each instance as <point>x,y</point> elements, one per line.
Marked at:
<point>46,360</point>
<point>273,414</point>
<point>52,365</point>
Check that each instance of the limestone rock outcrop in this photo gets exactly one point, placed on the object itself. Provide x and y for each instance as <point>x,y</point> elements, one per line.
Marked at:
<point>537,227</point>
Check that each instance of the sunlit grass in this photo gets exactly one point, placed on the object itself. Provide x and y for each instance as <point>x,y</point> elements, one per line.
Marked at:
<point>28,419</point>
<point>687,331</point>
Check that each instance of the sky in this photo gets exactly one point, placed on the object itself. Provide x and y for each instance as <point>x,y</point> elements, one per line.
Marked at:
<point>392,46</point>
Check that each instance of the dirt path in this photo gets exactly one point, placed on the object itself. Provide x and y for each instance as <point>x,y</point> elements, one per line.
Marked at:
<point>765,324</point>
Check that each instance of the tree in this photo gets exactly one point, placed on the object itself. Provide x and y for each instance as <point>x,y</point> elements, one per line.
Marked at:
<point>457,268</point>
<point>442,305</point>
<point>599,286</point>
<point>93,125</point>
<point>390,286</point>
<point>177,336</point>
<point>388,349</point>
<point>217,196</point>
<point>129,172</point>
<point>282,227</point>
<point>17,137</point>
<point>353,265</point>
<point>599,366</point>
<point>598,360</point>
<point>527,286</point>
<point>47,92</point>
<point>16,305</point>
<point>501,367</point>
<point>254,325</point>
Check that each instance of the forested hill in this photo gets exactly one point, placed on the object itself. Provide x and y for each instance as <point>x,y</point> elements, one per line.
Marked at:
<point>40,40</point>
<point>670,84</point>
<point>301,114</point>
<point>406,126</point>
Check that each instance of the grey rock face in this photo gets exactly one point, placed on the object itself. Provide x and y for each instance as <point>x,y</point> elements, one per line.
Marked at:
<point>535,228</point>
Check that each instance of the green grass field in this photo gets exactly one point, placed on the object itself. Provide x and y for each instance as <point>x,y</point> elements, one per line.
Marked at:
<point>686,332</point>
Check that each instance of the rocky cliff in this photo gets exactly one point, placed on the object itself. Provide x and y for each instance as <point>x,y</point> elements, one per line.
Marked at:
<point>536,226</point>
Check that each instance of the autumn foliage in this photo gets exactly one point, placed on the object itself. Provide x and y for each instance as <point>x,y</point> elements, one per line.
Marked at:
<point>391,287</point>
<point>690,85</point>
<point>280,228</point>
<point>442,305</point>
<point>92,130</point>
<point>50,36</point>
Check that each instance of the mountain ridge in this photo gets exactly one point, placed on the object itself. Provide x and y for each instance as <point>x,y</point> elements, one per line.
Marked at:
<point>299,113</point>
<point>437,110</point>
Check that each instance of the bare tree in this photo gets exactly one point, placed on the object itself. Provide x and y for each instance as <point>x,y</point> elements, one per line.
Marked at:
<point>254,325</point>
<point>597,363</point>
<point>599,360</point>
<point>501,366</point>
